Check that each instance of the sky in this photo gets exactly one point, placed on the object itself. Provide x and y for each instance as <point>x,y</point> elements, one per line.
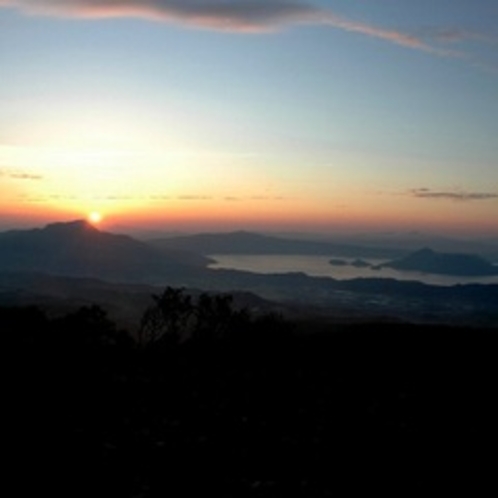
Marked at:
<point>356,115</point>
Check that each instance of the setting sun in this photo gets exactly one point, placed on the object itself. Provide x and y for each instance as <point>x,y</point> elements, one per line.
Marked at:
<point>94,217</point>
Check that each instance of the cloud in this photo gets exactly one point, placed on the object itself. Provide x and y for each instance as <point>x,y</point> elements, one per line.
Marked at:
<point>267,198</point>
<point>194,198</point>
<point>456,195</point>
<point>264,16</point>
<point>33,199</point>
<point>19,175</point>
<point>392,36</point>
<point>233,16</point>
<point>457,35</point>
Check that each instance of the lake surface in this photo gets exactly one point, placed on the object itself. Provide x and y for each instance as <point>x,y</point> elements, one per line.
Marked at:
<point>319,266</point>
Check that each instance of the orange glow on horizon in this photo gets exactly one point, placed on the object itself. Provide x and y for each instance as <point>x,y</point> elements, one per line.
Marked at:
<point>205,215</point>
<point>353,213</point>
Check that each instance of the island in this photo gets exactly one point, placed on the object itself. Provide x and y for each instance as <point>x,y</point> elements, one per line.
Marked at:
<point>455,264</point>
<point>357,263</point>
<point>360,263</point>
<point>338,262</point>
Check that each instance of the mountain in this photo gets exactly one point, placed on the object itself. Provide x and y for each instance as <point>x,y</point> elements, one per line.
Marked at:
<point>77,248</point>
<point>243,242</point>
<point>80,251</point>
<point>429,261</point>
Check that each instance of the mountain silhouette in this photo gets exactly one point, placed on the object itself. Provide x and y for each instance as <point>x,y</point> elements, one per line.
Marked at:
<point>428,261</point>
<point>77,248</point>
<point>243,242</point>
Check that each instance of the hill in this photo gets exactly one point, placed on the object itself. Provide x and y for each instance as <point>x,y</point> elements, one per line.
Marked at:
<point>429,261</point>
<point>77,248</point>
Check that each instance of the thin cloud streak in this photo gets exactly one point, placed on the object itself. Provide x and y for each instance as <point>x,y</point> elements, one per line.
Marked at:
<point>233,16</point>
<point>392,36</point>
<point>19,175</point>
<point>458,196</point>
<point>242,15</point>
<point>194,198</point>
<point>457,35</point>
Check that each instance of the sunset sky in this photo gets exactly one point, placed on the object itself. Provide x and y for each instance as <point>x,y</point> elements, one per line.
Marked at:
<point>217,115</point>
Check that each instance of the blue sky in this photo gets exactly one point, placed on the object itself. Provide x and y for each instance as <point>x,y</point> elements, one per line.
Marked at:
<point>325,115</point>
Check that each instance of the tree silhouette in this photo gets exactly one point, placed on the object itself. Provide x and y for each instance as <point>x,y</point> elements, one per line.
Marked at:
<point>242,393</point>
<point>88,326</point>
<point>216,317</point>
<point>23,327</point>
<point>167,319</point>
<point>175,316</point>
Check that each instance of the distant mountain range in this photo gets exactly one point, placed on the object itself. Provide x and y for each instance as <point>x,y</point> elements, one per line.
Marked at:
<point>414,240</point>
<point>77,248</point>
<point>35,266</point>
<point>429,261</point>
<point>242,242</point>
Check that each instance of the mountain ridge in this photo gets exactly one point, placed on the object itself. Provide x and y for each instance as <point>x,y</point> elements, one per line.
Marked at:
<point>246,242</point>
<point>78,248</point>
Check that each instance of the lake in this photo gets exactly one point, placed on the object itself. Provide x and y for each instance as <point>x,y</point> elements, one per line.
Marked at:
<point>319,266</point>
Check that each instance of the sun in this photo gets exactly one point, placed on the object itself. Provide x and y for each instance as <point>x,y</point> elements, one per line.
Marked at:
<point>95,217</point>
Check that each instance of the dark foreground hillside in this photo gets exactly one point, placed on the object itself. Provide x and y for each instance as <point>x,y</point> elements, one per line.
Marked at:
<point>245,407</point>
